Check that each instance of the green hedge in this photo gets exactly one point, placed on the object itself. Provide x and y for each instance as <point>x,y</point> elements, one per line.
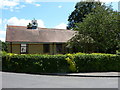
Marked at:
<point>35,63</point>
<point>79,62</point>
<point>97,63</point>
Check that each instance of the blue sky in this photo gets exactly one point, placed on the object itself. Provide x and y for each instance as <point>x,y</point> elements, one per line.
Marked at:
<point>48,14</point>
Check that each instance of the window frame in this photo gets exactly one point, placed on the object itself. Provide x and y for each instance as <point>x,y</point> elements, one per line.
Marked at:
<point>24,46</point>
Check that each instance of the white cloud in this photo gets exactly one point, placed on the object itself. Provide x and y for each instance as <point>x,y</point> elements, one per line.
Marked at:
<point>11,5</point>
<point>19,7</point>
<point>41,23</point>
<point>2,35</point>
<point>22,6</point>
<point>2,32</point>
<point>34,2</point>
<point>67,0</point>
<point>23,22</point>
<point>59,6</point>
<point>16,4</point>
<point>2,39</point>
<point>37,5</point>
<point>11,9</point>
<point>16,21</point>
<point>29,1</point>
<point>108,0</point>
<point>8,3</point>
<point>61,26</point>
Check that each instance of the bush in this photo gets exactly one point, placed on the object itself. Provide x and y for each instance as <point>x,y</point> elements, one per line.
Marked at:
<point>4,46</point>
<point>35,63</point>
<point>71,62</point>
<point>118,52</point>
<point>79,62</point>
<point>97,63</point>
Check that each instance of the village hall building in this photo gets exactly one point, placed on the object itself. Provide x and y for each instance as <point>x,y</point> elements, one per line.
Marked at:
<point>32,39</point>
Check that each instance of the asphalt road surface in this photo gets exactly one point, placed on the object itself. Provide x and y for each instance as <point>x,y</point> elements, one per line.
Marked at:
<point>17,80</point>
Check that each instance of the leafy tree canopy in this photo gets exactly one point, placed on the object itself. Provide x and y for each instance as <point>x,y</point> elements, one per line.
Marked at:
<point>81,10</point>
<point>102,25</point>
<point>3,46</point>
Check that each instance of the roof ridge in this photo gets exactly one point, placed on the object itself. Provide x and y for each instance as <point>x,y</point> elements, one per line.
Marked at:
<point>38,27</point>
<point>15,26</point>
<point>52,28</point>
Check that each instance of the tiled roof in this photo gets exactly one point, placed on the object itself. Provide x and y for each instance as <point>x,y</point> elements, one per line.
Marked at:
<point>22,34</point>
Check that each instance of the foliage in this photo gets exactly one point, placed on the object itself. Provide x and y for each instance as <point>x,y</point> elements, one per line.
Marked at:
<point>118,52</point>
<point>3,45</point>
<point>101,28</point>
<point>34,63</point>
<point>82,8</point>
<point>79,62</point>
<point>0,45</point>
<point>81,43</point>
<point>71,62</point>
<point>97,63</point>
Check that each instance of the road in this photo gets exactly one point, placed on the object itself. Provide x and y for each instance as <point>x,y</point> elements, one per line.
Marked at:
<point>17,80</point>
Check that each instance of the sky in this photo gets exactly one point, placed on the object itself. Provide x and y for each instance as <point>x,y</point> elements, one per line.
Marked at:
<point>49,14</point>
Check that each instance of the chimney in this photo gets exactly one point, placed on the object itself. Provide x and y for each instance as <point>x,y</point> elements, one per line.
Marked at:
<point>33,24</point>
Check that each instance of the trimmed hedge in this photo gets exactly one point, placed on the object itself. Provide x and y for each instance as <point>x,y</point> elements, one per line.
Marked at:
<point>79,62</point>
<point>35,63</point>
<point>97,63</point>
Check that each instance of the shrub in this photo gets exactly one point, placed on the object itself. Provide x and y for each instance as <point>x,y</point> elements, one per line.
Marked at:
<point>71,62</point>
<point>118,52</point>
<point>79,62</point>
<point>4,46</point>
<point>97,62</point>
<point>35,63</point>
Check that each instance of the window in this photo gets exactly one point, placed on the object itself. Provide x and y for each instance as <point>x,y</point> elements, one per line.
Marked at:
<point>46,48</point>
<point>23,48</point>
<point>59,48</point>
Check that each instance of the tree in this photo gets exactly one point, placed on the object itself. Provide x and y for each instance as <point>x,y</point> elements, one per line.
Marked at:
<point>3,46</point>
<point>102,26</point>
<point>81,10</point>
<point>80,43</point>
